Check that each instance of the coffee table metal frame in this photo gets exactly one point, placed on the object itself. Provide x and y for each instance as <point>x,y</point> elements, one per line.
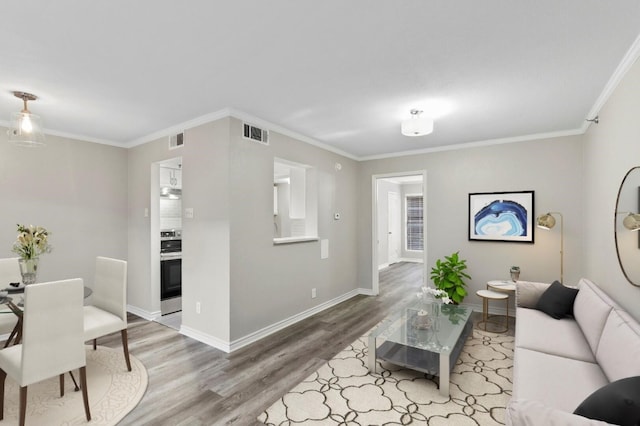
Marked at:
<point>432,350</point>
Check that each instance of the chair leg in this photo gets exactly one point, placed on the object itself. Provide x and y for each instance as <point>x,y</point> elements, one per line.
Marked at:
<point>23,405</point>
<point>85,394</point>
<point>61,385</point>
<point>95,344</point>
<point>3,376</point>
<point>125,347</point>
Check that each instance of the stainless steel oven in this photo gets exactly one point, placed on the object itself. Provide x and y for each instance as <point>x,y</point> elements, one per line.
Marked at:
<point>170,271</point>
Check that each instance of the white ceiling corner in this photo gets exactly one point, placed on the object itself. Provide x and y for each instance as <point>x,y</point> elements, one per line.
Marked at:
<point>339,75</point>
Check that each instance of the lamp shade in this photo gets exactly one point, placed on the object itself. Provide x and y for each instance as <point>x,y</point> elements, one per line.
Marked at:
<point>26,128</point>
<point>417,125</point>
<point>632,222</point>
<point>546,221</point>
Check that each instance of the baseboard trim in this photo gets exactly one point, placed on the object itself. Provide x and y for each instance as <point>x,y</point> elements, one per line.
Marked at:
<point>266,331</point>
<point>205,338</point>
<point>148,315</point>
<point>384,265</point>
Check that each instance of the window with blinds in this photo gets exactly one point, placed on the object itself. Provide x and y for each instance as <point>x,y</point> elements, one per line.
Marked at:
<point>414,228</point>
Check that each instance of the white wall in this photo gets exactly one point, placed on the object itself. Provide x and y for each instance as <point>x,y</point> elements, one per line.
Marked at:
<point>611,148</point>
<point>550,167</point>
<point>75,189</point>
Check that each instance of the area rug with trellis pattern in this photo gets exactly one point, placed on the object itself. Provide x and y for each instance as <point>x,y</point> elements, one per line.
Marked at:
<point>344,392</point>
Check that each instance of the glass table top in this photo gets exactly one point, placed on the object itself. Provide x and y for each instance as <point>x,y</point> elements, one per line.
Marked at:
<point>435,333</point>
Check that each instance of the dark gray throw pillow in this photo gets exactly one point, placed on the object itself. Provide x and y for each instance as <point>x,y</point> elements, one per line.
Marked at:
<point>617,403</point>
<point>557,300</point>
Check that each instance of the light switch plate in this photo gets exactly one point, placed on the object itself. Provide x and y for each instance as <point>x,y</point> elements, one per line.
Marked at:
<point>188,213</point>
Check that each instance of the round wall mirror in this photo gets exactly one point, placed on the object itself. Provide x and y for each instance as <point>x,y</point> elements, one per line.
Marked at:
<point>628,240</point>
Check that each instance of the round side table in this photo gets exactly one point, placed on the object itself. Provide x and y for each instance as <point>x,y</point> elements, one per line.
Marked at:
<point>487,295</point>
<point>501,285</point>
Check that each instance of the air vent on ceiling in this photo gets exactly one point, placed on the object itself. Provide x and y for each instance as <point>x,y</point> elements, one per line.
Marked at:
<point>176,141</point>
<point>255,134</point>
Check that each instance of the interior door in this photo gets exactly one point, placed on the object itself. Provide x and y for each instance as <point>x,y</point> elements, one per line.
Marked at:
<point>394,227</point>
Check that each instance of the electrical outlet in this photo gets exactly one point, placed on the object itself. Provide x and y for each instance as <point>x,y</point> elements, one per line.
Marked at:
<point>313,293</point>
<point>197,307</point>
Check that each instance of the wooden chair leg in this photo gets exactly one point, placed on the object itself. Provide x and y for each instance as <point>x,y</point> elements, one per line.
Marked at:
<point>23,405</point>
<point>85,394</point>
<point>13,334</point>
<point>61,385</point>
<point>95,344</point>
<point>3,376</point>
<point>125,347</point>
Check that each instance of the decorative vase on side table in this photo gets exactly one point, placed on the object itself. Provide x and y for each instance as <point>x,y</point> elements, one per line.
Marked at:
<point>28,270</point>
<point>515,273</point>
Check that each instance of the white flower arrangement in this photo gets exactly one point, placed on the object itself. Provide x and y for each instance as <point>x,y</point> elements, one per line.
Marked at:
<point>32,241</point>
<point>435,293</point>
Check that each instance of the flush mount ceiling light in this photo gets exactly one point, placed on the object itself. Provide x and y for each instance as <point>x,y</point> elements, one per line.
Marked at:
<point>26,128</point>
<point>417,125</point>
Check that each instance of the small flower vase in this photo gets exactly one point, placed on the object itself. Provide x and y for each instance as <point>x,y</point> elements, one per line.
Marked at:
<point>435,308</point>
<point>515,273</point>
<point>28,270</point>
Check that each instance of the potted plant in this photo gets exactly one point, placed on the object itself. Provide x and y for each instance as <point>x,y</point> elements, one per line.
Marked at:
<point>449,275</point>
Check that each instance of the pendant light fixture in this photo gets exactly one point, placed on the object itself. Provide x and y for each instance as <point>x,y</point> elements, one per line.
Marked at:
<point>26,128</point>
<point>417,125</point>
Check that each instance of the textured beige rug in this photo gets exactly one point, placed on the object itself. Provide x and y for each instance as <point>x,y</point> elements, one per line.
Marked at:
<point>343,392</point>
<point>113,392</point>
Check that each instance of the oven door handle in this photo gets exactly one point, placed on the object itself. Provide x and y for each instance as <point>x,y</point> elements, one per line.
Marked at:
<point>170,256</point>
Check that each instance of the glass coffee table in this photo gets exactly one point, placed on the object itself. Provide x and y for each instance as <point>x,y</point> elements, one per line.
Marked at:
<point>430,345</point>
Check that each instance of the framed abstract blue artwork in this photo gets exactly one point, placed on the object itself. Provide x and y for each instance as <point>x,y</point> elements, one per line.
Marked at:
<point>501,216</point>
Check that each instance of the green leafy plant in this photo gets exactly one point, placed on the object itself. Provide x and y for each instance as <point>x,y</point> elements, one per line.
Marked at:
<point>449,275</point>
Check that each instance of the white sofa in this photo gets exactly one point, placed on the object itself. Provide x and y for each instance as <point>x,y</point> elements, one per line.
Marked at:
<point>558,363</point>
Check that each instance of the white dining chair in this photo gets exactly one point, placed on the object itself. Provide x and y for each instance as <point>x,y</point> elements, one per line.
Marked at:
<point>52,340</point>
<point>9,273</point>
<point>108,310</point>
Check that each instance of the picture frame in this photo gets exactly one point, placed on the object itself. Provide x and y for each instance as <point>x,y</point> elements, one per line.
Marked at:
<point>502,216</point>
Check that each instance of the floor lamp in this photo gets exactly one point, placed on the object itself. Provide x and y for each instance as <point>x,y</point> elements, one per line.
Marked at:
<point>547,221</point>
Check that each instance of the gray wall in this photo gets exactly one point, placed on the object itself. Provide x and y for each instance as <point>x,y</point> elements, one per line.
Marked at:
<point>272,283</point>
<point>611,148</point>
<point>451,175</point>
<point>205,264</point>
<point>77,190</point>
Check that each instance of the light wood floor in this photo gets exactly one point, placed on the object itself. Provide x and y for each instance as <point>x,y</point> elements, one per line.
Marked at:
<point>193,384</point>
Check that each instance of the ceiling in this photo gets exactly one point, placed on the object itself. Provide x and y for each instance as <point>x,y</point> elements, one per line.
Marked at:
<point>339,73</point>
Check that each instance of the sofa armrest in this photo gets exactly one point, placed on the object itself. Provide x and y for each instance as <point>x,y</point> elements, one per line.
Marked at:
<point>528,293</point>
<point>525,412</point>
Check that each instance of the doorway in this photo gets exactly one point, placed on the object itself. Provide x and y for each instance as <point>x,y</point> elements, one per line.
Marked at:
<point>399,222</point>
<point>169,231</point>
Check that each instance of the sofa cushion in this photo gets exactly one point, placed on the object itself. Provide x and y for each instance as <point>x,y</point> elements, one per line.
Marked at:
<point>528,293</point>
<point>617,403</point>
<point>532,332</point>
<point>591,309</point>
<point>526,412</point>
<point>556,381</point>
<point>619,349</point>
<point>557,300</point>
